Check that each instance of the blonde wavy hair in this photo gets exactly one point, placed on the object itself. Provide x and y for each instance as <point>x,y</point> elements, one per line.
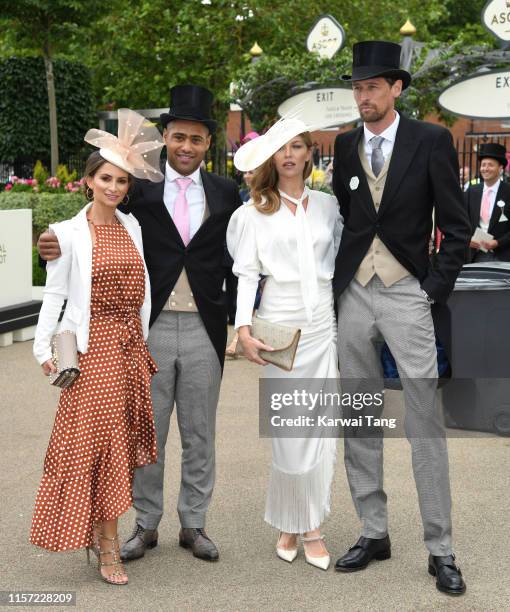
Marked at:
<point>264,183</point>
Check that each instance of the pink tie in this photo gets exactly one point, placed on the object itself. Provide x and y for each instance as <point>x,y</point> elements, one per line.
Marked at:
<point>181,209</point>
<point>485,210</point>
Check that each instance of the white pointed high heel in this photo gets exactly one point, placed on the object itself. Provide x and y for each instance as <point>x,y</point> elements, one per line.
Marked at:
<point>320,562</point>
<point>286,554</point>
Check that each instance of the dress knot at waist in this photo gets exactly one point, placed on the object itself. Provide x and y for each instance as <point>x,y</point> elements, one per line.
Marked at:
<point>131,326</point>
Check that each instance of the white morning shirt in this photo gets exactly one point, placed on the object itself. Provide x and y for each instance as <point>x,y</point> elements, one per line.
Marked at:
<point>194,194</point>
<point>494,188</point>
<point>389,136</point>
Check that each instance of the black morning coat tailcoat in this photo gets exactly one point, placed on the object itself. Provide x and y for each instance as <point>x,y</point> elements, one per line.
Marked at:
<point>499,229</point>
<point>423,175</point>
<point>166,255</point>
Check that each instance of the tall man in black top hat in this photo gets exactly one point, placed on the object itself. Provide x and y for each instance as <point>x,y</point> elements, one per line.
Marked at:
<point>184,221</point>
<point>488,205</point>
<point>389,176</point>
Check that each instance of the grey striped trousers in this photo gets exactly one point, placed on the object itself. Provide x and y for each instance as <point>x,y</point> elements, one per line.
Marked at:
<point>189,376</point>
<point>400,315</point>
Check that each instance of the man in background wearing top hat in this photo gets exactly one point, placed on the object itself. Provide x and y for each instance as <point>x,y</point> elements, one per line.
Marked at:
<point>488,205</point>
<point>184,221</point>
<point>389,175</point>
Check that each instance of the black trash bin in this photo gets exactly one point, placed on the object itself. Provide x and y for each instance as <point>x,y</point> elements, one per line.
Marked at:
<point>478,395</point>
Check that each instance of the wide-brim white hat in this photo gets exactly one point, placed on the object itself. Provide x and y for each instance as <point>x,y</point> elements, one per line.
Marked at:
<point>255,152</point>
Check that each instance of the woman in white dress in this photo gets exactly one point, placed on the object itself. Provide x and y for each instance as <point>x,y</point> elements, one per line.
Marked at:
<point>291,235</point>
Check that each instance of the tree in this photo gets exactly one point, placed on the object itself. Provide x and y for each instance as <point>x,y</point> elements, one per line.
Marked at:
<point>452,48</point>
<point>45,27</point>
<point>138,49</point>
<point>142,48</point>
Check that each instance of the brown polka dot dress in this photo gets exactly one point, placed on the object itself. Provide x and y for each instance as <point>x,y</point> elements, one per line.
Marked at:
<point>104,425</point>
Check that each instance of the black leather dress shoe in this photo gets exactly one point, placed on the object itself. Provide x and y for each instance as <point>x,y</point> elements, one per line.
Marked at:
<point>360,555</point>
<point>138,542</point>
<point>448,575</point>
<point>199,543</point>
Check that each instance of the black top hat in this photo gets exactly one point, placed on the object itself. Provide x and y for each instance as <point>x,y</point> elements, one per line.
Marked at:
<point>191,103</point>
<point>493,150</point>
<point>377,58</point>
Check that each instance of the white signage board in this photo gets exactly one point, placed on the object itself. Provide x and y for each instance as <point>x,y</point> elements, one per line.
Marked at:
<point>326,37</point>
<point>496,18</point>
<point>329,107</point>
<point>15,257</point>
<point>483,96</point>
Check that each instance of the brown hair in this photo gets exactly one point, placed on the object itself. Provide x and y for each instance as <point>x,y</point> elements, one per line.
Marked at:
<point>264,183</point>
<point>94,162</point>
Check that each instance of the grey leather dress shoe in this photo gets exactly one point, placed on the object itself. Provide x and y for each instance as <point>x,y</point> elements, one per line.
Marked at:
<point>137,543</point>
<point>199,543</point>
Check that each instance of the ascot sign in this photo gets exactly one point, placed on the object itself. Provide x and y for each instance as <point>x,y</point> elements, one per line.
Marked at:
<point>326,37</point>
<point>485,96</point>
<point>333,106</point>
<point>496,18</point>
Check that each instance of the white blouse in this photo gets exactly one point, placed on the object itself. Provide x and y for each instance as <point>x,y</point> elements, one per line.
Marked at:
<point>268,245</point>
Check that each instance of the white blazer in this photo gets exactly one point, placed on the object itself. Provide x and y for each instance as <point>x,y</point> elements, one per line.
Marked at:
<point>70,277</point>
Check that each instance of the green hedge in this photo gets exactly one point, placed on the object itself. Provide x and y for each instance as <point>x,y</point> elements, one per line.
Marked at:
<point>46,207</point>
<point>24,116</point>
<point>38,273</point>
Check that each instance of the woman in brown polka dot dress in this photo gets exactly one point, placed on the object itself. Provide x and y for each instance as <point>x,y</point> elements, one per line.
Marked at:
<point>104,425</point>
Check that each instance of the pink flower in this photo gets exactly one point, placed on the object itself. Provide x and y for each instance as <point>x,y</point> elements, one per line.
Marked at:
<point>8,187</point>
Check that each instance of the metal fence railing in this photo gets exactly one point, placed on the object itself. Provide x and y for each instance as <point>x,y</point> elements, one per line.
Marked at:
<point>221,162</point>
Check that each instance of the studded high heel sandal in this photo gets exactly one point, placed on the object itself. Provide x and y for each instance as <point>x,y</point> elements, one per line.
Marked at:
<point>112,578</point>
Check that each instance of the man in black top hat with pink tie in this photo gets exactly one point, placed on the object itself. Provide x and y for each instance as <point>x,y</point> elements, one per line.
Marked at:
<point>184,221</point>
<point>488,205</point>
<point>389,176</point>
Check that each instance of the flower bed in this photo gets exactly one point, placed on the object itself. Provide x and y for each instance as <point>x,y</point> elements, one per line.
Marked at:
<point>51,198</point>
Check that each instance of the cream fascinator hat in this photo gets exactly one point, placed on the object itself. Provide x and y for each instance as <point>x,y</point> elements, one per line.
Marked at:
<point>254,153</point>
<point>136,149</point>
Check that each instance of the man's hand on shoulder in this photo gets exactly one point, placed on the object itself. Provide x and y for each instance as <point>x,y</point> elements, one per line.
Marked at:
<point>48,246</point>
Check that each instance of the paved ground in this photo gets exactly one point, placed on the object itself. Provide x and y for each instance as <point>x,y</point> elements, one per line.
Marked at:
<point>249,576</point>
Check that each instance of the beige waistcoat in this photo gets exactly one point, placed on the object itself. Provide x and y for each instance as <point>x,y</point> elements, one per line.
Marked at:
<point>181,297</point>
<point>378,259</point>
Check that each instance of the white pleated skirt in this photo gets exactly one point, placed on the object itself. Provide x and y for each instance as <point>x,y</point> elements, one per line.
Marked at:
<point>298,497</point>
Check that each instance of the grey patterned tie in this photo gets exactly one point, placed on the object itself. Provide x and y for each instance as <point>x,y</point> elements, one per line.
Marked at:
<point>377,160</point>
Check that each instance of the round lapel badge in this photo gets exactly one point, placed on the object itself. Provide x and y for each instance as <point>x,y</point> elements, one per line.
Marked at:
<point>354,184</point>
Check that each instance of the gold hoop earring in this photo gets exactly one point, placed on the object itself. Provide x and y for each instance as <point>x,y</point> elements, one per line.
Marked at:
<point>87,194</point>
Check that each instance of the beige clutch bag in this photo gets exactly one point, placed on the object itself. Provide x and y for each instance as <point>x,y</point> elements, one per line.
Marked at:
<point>282,338</point>
<point>65,358</point>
